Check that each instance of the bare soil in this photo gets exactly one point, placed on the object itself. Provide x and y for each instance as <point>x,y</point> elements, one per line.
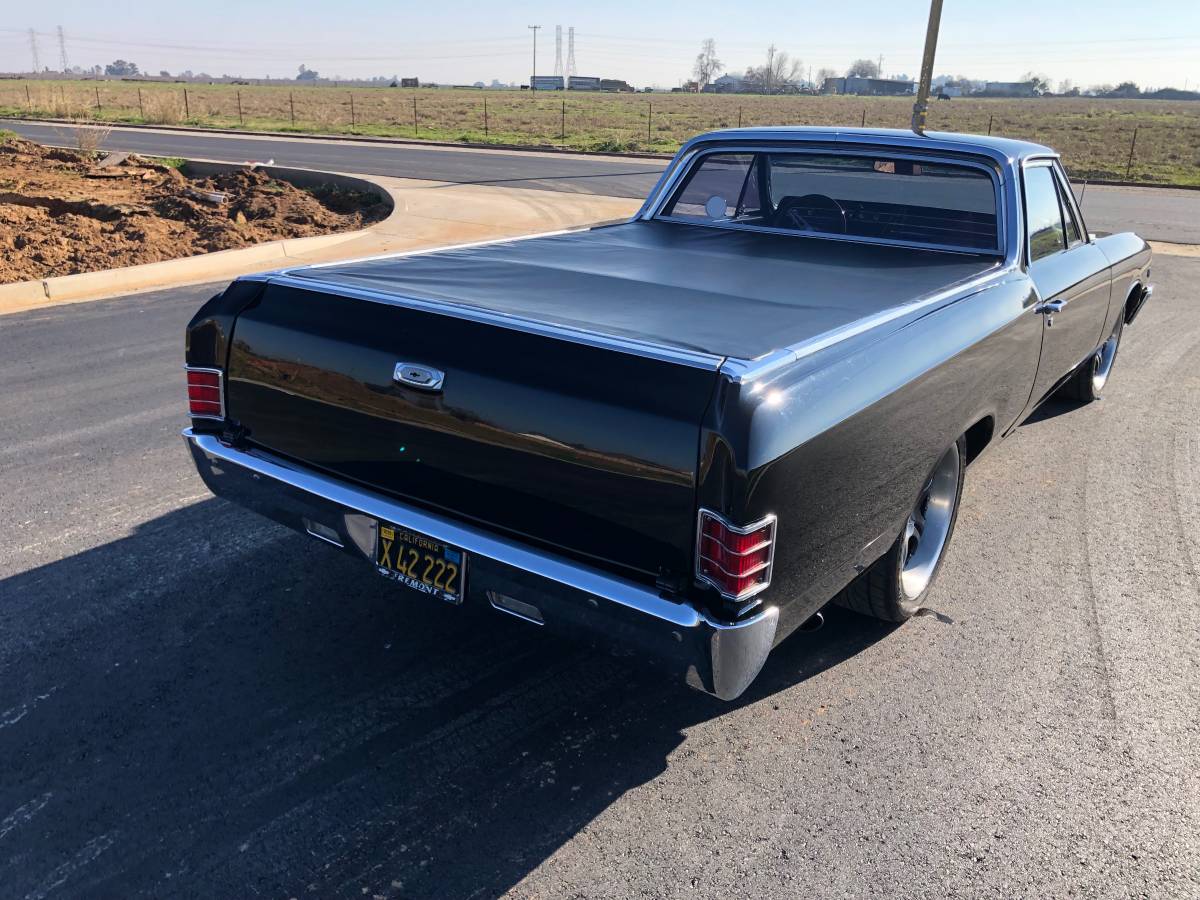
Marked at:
<point>62,213</point>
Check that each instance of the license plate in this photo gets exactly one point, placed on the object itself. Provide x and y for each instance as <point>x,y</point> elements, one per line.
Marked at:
<point>420,562</point>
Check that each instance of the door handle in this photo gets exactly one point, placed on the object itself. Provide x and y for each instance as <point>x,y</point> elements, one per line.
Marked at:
<point>1051,307</point>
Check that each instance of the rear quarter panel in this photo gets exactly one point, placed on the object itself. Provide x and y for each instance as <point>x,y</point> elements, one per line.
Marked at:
<point>838,445</point>
<point>1129,258</point>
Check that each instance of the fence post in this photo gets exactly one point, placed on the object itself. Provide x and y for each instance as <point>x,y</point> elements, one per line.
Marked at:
<point>352,121</point>
<point>98,107</point>
<point>563,135</point>
<point>1132,144</point>
<point>739,117</point>
<point>649,119</point>
<point>864,118</point>
<point>187,109</point>
<point>292,105</point>
<point>141,105</point>
<point>241,118</point>
<point>485,121</point>
<point>990,116</point>
<point>28,98</point>
<point>415,129</point>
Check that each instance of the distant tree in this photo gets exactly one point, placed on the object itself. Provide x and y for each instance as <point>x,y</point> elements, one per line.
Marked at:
<point>863,68</point>
<point>163,73</point>
<point>707,65</point>
<point>777,73</point>
<point>119,68</point>
<point>1039,83</point>
<point>1125,89</point>
<point>825,73</point>
<point>307,74</point>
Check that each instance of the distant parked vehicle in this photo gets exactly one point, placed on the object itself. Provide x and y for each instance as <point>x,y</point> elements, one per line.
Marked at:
<point>687,432</point>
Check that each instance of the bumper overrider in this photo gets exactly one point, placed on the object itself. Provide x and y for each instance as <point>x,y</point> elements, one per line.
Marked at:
<point>721,658</point>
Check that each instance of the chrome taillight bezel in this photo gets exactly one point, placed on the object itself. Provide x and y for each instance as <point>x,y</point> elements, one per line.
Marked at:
<point>769,520</point>
<point>218,416</point>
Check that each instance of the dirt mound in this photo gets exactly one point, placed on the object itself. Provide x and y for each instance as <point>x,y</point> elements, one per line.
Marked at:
<point>61,212</point>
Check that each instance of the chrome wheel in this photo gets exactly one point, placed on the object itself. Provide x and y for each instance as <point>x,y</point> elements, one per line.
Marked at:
<point>1102,362</point>
<point>929,526</point>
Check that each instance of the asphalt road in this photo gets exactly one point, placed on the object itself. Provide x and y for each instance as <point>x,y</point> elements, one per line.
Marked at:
<point>195,702</point>
<point>1155,213</point>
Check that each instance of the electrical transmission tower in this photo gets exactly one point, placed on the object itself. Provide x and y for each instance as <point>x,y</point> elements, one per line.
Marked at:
<point>62,50</point>
<point>33,49</point>
<point>558,69</point>
<point>570,52</point>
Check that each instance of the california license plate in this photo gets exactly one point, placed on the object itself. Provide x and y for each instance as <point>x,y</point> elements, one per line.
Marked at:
<point>420,562</point>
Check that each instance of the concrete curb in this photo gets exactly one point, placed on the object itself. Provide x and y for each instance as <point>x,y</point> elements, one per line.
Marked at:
<point>203,267</point>
<point>360,138</point>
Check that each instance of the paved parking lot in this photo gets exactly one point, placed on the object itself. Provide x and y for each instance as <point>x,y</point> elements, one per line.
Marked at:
<point>194,702</point>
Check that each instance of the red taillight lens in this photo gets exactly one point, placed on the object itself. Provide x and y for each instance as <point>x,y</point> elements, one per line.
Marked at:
<point>204,393</point>
<point>736,561</point>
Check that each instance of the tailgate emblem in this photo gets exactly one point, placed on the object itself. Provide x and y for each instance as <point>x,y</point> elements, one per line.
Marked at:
<point>415,375</point>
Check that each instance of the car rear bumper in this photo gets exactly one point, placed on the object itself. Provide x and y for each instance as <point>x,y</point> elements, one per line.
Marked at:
<point>720,658</point>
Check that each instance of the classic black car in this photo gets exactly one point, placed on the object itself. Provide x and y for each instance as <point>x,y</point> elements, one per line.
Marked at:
<point>687,432</point>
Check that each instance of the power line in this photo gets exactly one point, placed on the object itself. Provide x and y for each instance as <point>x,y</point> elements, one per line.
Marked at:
<point>570,52</point>
<point>558,69</point>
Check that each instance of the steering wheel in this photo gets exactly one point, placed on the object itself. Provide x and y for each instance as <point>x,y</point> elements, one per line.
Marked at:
<point>812,212</point>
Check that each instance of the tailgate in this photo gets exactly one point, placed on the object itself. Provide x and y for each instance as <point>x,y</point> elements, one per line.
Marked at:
<point>588,450</point>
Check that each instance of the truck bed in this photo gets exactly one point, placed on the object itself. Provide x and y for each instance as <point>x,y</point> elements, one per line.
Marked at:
<point>722,292</point>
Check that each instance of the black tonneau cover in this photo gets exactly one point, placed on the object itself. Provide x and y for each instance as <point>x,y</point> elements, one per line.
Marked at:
<point>721,291</point>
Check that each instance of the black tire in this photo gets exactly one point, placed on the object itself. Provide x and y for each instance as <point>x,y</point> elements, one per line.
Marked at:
<point>888,589</point>
<point>1088,382</point>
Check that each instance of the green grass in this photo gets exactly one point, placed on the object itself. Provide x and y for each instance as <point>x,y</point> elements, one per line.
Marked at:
<point>1094,136</point>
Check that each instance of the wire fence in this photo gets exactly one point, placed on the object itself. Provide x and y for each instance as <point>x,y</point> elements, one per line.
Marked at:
<point>1134,140</point>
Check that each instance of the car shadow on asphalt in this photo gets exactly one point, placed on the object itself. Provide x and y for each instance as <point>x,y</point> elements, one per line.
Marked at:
<point>1051,409</point>
<point>217,699</point>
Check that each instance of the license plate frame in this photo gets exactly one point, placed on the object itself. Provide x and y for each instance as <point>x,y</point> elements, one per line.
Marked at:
<point>412,558</point>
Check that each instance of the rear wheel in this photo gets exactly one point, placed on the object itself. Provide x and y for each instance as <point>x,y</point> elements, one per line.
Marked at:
<point>894,587</point>
<point>1087,384</point>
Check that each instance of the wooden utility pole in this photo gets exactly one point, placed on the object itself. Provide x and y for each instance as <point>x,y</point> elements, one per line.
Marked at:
<point>921,107</point>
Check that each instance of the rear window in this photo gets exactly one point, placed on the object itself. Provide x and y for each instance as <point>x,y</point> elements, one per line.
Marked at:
<point>873,197</point>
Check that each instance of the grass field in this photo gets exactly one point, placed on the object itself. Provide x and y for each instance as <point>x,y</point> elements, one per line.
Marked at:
<point>1094,136</point>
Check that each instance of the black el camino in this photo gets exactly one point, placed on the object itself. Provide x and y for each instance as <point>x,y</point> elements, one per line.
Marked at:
<point>688,432</point>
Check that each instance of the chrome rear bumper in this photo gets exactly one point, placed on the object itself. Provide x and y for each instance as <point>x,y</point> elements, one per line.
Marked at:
<point>717,657</point>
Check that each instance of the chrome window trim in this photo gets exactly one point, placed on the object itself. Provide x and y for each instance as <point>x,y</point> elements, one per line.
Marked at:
<point>769,519</point>
<point>1065,184</point>
<point>653,208</point>
<point>220,391</point>
<point>694,358</point>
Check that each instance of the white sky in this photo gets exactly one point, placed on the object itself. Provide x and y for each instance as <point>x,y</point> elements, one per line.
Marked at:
<point>1153,42</point>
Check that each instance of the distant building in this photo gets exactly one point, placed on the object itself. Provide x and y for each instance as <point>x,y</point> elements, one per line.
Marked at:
<point>947,90</point>
<point>616,84</point>
<point>547,83</point>
<point>583,83</point>
<point>871,87</point>
<point>410,82</point>
<point>726,84</point>
<point>1010,89</point>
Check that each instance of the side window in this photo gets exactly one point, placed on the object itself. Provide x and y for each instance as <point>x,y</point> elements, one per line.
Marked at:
<point>1043,216</point>
<point>717,189</point>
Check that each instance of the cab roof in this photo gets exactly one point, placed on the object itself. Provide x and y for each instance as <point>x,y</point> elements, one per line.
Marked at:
<point>998,148</point>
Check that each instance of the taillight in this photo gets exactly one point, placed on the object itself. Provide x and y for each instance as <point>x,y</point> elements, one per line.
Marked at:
<point>735,560</point>
<point>205,396</point>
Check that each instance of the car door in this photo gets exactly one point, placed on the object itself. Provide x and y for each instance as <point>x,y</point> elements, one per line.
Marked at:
<point>1070,274</point>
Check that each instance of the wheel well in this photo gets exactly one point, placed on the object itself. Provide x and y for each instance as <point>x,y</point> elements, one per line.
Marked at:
<point>978,436</point>
<point>1132,302</point>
